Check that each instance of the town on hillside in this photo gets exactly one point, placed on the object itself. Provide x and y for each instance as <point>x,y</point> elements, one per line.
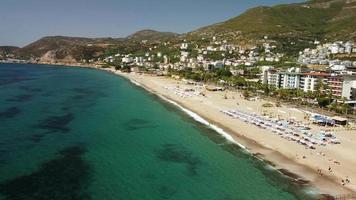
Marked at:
<point>323,76</point>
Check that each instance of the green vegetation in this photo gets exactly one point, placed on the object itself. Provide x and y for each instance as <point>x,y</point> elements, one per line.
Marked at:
<point>292,26</point>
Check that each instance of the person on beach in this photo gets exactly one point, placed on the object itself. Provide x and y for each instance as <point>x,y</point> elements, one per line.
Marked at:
<point>320,172</point>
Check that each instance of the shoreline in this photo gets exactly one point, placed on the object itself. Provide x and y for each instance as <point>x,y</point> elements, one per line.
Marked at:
<point>254,149</point>
<point>327,185</point>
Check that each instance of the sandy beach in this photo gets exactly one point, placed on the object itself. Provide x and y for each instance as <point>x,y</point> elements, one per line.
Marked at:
<point>325,167</point>
<point>284,154</point>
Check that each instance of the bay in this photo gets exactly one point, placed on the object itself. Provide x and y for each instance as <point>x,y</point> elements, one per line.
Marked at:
<point>75,133</point>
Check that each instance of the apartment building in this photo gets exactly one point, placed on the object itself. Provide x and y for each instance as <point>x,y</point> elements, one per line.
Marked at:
<point>310,81</point>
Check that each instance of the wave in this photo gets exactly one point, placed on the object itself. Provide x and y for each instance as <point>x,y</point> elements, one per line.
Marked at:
<point>134,82</point>
<point>201,120</point>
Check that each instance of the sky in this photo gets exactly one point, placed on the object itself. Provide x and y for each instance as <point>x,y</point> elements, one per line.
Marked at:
<point>24,21</point>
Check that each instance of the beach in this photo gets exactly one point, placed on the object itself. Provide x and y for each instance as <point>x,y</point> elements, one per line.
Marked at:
<point>334,162</point>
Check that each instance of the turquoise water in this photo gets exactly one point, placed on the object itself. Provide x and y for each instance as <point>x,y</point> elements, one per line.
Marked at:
<point>72,133</point>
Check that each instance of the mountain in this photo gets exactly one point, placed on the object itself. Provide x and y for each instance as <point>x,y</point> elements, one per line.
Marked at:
<point>69,49</point>
<point>8,49</point>
<point>316,19</point>
<point>73,49</point>
<point>151,35</point>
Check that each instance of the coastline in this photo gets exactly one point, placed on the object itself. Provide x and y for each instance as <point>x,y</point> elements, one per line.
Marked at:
<point>279,161</point>
<point>299,174</point>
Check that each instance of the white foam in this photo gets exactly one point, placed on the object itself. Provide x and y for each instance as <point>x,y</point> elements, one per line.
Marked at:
<point>134,82</point>
<point>312,191</point>
<point>199,119</point>
<point>270,167</point>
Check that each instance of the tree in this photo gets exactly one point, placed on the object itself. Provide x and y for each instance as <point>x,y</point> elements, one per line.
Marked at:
<point>237,81</point>
<point>126,68</point>
<point>223,72</point>
<point>345,108</point>
<point>323,102</point>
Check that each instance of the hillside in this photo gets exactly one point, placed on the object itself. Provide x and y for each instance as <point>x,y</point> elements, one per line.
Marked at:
<point>66,48</point>
<point>8,49</point>
<point>152,35</point>
<point>73,49</point>
<point>317,19</point>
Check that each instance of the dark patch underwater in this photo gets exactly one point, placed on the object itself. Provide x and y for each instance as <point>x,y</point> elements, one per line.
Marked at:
<point>10,113</point>
<point>135,124</point>
<point>20,98</point>
<point>29,89</point>
<point>66,177</point>
<point>56,123</point>
<point>175,154</point>
<point>14,80</point>
<point>166,191</point>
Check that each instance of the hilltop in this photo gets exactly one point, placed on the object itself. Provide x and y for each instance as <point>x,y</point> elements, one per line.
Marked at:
<point>316,19</point>
<point>74,49</point>
<point>151,35</point>
<point>65,48</point>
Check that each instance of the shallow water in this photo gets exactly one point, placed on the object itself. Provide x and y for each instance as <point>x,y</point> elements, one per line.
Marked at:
<point>72,133</point>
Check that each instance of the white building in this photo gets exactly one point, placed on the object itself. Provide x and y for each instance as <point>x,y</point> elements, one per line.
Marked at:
<point>338,67</point>
<point>348,47</point>
<point>310,81</point>
<point>290,80</point>
<point>139,60</point>
<point>210,48</point>
<point>200,58</point>
<point>334,48</point>
<point>184,46</point>
<point>165,59</point>
<point>218,64</point>
<point>127,59</point>
<point>184,56</point>
<point>266,70</point>
<point>349,88</point>
<point>287,80</point>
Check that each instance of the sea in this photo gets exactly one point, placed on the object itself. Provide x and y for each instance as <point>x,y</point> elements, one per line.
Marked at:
<point>78,133</point>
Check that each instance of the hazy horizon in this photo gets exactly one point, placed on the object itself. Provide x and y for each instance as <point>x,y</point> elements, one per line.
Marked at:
<point>23,22</point>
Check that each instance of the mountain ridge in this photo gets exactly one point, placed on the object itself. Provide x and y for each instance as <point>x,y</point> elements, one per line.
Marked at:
<point>73,49</point>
